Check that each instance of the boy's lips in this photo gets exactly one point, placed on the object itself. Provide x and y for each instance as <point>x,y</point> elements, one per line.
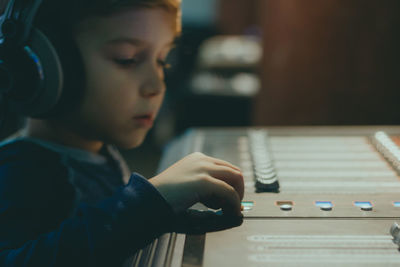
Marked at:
<point>146,120</point>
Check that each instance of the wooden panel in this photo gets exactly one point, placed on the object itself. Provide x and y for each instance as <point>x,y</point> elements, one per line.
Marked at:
<point>329,62</point>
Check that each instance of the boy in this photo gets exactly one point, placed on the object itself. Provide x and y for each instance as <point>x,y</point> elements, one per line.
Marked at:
<point>66,198</point>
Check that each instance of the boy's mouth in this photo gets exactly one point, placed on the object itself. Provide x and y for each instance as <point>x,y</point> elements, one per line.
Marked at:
<point>146,120</point>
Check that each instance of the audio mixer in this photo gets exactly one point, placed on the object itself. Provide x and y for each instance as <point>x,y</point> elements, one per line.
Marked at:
<point>313,196</point>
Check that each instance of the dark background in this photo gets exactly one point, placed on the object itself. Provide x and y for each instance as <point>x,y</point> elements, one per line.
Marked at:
<point>330,62</point>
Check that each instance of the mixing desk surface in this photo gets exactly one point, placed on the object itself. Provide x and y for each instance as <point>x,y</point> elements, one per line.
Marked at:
<point>313,196</point>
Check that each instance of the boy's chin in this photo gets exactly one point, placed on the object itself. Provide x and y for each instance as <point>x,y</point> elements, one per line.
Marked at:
<point>130,143</point>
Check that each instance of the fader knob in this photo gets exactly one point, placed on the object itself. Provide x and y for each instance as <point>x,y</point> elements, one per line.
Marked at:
<point>325,207</point>
<point>286,207</point>
<point>395,232</point>
<point>366,207</point>
<point>265,176</point>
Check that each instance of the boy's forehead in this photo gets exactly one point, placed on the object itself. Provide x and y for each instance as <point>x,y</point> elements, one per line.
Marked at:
<point>139,24</point>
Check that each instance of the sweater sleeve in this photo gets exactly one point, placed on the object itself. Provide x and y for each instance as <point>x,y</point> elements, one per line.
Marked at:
<point>99,235</point>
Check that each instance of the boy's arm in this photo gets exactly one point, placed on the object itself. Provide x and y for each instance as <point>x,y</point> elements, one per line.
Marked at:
<point>105,234</point>
<point>101,235</point>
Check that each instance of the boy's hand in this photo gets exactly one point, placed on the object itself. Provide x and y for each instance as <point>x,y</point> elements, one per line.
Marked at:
<point>199,178</point>
<point>195,222</point>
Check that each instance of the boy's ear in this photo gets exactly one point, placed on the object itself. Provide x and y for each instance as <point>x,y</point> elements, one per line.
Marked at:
<point>73,71</point>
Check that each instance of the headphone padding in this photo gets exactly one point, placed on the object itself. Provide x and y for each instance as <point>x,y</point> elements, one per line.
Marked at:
<point>49,90</point>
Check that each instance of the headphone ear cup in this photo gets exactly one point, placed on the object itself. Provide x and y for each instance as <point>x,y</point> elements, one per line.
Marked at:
<point>74,74</point>
<point>48,87</point>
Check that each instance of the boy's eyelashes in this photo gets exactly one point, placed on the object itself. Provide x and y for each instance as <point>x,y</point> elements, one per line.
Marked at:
<point>134,61</point>
<point>126,62</point>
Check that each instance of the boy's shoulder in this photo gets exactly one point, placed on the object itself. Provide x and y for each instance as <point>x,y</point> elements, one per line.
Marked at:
<point>23,160</point>
<point>23,149</point>
<point>33,178</point>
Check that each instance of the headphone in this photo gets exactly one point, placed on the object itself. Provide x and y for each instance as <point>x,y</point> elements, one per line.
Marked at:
<point>32,76</point>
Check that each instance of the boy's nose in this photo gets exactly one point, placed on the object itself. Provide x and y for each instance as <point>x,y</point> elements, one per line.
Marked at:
<point>154,85</point>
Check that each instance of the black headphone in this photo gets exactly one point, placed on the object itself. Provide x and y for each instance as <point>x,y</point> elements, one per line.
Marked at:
<point>32,75</point>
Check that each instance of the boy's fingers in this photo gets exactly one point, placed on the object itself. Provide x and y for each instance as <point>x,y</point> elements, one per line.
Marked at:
<point>231,177</point>
<point>224,163</point>
<point>200,222</point>
<point>219,194</point>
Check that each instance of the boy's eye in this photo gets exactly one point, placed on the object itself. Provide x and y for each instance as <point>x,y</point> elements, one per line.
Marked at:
<point>126,62</point>
<point>134,61</point>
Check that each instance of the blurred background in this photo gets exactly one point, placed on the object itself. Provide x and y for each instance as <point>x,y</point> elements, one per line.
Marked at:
<point>284,62</point>
<point>278,62</point>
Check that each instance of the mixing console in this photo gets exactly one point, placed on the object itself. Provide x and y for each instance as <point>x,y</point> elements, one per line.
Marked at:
<point>313,196</point>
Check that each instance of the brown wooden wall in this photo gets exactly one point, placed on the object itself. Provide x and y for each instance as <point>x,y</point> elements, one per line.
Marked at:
<point>326,62</point>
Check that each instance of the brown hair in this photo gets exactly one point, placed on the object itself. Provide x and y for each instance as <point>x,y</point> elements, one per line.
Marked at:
<point>68,13</point>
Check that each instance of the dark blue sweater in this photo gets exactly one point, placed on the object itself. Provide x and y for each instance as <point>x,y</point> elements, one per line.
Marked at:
<point>59,210</point>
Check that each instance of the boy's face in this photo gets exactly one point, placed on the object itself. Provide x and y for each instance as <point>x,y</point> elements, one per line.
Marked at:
<point>124,59</point>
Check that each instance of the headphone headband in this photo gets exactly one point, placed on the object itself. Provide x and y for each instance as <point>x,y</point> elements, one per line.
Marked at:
<point>31,75</point>
<point>18,20</point>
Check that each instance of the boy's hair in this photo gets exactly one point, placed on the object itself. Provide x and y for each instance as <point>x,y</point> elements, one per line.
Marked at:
<point>172,6</point>
<point>68,13</point>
